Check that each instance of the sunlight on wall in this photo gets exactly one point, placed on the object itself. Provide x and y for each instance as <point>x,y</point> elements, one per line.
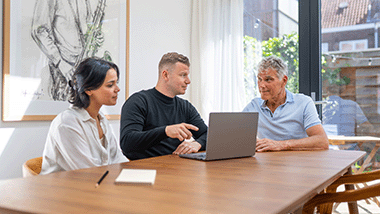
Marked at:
<point>22,91</point>
<point>5,134</point>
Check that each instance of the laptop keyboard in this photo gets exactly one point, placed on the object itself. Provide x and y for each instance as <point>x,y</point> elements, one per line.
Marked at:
<point>200,155</point>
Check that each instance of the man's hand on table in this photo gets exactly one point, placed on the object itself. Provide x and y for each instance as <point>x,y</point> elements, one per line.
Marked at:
<point>265,145</point>
<point>182,133</point>
<point>187,147</point>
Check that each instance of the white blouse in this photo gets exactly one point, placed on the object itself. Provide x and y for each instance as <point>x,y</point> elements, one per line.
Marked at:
<point>73,143</point>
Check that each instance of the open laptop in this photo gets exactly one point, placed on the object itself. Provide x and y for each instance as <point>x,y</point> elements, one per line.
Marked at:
<point>230,135</point>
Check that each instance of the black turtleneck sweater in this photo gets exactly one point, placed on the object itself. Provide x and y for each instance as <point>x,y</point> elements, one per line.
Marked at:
<point>144,117</point>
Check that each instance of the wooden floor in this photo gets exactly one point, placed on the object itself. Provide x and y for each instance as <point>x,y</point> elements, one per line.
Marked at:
<point>363,207</point>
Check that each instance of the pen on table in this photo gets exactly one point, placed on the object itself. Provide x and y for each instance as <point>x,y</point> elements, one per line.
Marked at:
<point>100,180</point>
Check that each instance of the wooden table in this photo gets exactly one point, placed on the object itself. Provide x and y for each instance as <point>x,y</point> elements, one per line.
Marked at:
<point>274,182</point>
<point>340,139</point>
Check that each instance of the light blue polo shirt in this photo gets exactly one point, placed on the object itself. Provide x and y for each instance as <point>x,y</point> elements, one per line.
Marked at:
<point>289,121</point>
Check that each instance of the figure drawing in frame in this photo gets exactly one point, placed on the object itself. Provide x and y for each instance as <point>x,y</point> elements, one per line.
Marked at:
<point>67,32</point>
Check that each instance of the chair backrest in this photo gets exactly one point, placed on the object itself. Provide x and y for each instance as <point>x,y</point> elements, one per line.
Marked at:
<point>324,201</point>
<point>32,167</point>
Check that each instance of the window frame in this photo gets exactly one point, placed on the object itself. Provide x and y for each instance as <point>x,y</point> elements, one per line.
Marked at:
<point>310,50</point>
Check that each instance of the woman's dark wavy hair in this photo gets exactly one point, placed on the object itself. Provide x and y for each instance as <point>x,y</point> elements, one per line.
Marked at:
<point>89,75</point>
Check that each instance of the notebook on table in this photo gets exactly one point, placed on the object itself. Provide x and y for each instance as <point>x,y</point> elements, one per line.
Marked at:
<point>230,135</point>
<point>136,176</point>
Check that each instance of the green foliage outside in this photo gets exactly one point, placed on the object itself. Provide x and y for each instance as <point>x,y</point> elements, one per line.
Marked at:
<point>332,75</point>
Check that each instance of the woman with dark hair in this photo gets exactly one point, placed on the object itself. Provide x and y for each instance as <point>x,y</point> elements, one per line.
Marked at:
<point>81,137</point>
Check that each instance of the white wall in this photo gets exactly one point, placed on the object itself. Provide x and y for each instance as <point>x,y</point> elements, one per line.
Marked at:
<point>156,27</point>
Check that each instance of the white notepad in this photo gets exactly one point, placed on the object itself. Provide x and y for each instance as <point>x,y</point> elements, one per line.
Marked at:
<point>136,176</point>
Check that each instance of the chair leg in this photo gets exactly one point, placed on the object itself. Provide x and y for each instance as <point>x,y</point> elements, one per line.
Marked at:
<point>353,205</point>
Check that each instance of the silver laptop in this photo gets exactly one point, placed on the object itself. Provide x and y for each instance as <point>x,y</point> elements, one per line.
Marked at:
<point>230,135</point>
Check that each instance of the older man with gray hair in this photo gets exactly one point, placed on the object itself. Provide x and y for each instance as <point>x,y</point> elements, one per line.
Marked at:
<point>287,121</point>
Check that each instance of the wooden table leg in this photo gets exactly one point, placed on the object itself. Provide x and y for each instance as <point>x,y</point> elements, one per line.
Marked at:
<point>352,206</point>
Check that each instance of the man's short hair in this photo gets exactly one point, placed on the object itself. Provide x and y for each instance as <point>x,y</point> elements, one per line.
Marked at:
<point>275,63</point>
<point>170,59</point>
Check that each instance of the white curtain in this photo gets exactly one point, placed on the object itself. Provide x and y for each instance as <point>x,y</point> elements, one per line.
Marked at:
<point>217,56</point>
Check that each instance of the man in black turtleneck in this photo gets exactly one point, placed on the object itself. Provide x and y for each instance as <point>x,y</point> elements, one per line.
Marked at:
<point>156,122</point>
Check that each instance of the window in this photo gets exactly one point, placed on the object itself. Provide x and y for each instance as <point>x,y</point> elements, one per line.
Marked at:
<point>353,45</point>
<point>325,47</point>
<point>270,28</point>
<point>350,79</point>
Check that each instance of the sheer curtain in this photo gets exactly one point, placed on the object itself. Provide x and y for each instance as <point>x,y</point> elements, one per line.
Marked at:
<point>217,56</point>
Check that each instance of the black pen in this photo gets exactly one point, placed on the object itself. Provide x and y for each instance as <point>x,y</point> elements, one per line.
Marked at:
<point>105,174</point>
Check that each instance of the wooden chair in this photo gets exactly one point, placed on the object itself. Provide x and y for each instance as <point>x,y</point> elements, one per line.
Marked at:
<point>32,167</point>
<point>324,201</point>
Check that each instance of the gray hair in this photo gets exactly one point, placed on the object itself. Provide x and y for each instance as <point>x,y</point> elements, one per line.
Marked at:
<point>275,63</point>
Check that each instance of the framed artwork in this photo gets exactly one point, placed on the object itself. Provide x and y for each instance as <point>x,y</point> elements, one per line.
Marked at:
<point>44,40</point>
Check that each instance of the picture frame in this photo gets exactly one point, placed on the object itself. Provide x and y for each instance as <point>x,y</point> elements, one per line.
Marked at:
<point>27,93</point>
